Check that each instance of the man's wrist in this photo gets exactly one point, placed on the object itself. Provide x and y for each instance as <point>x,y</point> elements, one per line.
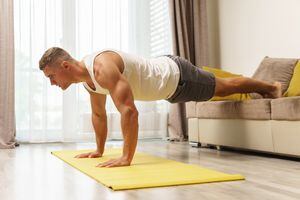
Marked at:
<point>127,157</point>
<point>100,151</point>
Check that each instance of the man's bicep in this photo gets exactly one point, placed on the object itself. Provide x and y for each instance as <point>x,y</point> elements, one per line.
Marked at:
<point>122,95</point>
<point>109,77</point>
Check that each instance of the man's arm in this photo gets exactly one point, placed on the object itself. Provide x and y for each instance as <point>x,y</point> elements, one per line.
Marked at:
<point>110,77</point>
<point>99,120</point>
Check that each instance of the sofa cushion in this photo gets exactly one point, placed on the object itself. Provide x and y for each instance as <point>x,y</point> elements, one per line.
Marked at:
<point>258,109</point>
<point>286,108</point>
<point>275,69</point>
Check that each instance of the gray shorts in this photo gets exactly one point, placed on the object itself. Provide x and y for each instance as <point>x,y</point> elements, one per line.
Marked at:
<point>194,84</point>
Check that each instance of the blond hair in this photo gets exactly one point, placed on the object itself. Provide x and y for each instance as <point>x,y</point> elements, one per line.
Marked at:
<point>52,55</point>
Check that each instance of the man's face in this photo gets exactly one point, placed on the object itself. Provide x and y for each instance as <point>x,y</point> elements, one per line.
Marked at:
<point>58,75</point>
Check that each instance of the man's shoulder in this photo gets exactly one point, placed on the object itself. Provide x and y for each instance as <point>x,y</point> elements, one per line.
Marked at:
<point>106,57</point>
<point>108,60</point>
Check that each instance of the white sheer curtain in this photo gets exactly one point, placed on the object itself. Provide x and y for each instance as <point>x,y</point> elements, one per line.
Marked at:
<point>45,113</point>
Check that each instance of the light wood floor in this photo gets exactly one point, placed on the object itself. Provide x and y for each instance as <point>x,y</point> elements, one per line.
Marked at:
<point>30,172</point>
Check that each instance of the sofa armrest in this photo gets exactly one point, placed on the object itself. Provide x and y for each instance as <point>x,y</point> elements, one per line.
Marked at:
<point>286,108</point>
<point>190,108</point>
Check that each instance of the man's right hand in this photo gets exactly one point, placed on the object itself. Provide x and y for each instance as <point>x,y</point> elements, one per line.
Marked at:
<point>94,154</point>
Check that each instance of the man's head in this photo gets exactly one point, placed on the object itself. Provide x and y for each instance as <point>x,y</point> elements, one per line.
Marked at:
<point>58,66</point>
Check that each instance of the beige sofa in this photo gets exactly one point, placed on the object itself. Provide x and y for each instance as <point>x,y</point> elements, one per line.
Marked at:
<point>268,125</point>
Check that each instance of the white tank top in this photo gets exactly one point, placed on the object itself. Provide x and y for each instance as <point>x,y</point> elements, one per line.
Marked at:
<point>149,79</point>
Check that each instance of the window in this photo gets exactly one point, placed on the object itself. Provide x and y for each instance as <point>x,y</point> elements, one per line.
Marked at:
<point>45,113</point>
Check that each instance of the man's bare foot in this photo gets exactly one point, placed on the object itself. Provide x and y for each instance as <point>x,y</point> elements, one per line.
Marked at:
<point>276,93</point>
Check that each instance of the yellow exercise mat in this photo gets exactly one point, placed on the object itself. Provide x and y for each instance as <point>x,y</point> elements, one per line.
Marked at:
<point>145,171</point>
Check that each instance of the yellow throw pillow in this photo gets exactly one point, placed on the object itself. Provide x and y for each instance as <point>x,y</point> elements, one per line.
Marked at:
<point>220,73</point>
<point>224,74</point>
<point>233,97</point>
<point>294,87</point>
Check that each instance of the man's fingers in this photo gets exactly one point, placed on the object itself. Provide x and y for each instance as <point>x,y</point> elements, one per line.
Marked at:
<point>91,155</point>
<point>112,164</point>
<point>94,155</point>
<point>84,155</point>
<point>106,163</point>
<point>88,155</point>
<point>115,164</point>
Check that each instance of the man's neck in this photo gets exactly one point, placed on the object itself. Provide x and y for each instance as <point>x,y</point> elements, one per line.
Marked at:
<point>82,73</point>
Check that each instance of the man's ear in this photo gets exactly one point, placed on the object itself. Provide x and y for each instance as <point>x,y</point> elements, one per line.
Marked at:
<point>66,64</point>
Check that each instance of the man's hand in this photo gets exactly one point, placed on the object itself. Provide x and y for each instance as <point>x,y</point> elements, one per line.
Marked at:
<point>119,162</point>
<point>94,154</point>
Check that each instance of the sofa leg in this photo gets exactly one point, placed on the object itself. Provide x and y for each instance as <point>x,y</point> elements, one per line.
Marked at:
<point>195,144</point>
<point>218,147</point>
<point>205,145</point>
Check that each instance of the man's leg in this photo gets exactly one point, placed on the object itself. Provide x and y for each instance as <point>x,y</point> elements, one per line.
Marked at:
<point>228,86</point>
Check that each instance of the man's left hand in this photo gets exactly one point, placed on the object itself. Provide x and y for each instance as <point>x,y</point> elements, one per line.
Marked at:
<point>119,162</point>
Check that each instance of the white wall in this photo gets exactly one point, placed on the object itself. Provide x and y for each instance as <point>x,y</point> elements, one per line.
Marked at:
<point>242,32</point>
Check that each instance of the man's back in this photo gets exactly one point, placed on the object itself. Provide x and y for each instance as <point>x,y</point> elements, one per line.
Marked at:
<point>149,79</point>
